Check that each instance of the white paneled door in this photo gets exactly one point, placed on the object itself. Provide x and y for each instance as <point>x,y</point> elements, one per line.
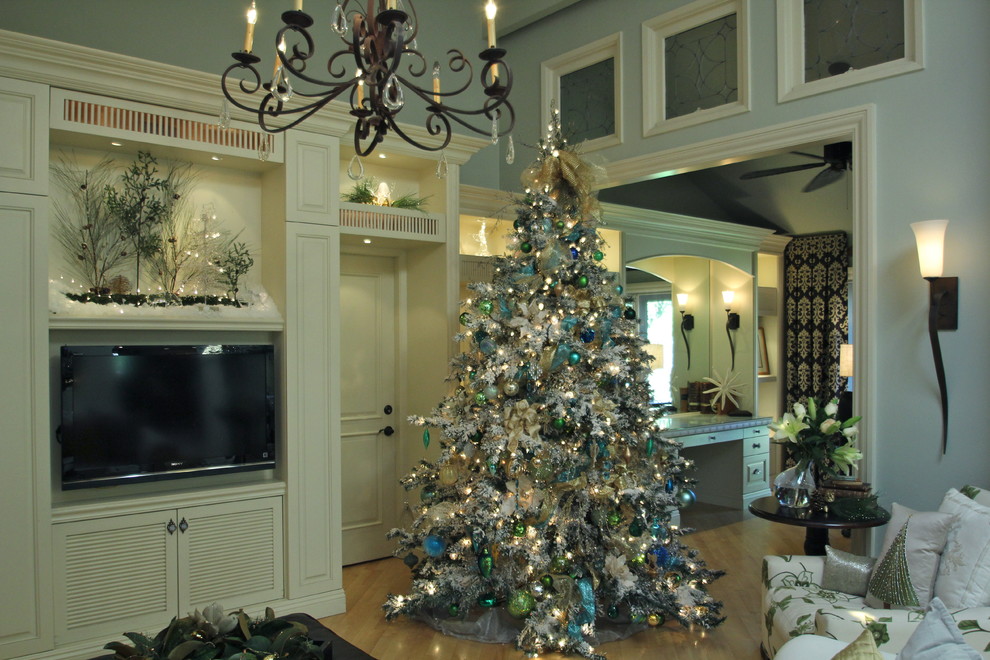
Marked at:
<point>369,416</point>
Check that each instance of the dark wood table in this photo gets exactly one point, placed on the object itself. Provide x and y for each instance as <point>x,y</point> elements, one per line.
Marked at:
<point>816,524</point>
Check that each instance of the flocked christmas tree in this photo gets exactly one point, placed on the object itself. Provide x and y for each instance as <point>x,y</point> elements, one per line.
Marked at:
<point>546,517</point>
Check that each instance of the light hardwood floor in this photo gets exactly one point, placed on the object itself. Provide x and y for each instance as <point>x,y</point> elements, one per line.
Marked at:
<point>727,539</point>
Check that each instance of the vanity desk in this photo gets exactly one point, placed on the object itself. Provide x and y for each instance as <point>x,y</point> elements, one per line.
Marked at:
<point>731,455</point>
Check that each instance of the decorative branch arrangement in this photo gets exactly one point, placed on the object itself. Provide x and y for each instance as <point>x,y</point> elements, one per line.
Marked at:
<point>139,222</point>
<point>370,191</point>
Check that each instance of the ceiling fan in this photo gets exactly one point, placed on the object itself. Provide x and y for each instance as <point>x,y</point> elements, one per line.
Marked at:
<point>836,160</point>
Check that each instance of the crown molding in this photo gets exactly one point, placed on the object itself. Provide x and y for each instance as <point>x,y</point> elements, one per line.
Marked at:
<point>487,202</point>
<point>80,68</point>
<point>774,244</point>
<point>675,227</point>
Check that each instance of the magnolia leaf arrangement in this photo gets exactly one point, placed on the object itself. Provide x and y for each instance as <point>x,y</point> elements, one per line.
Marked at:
<point>370,191</point>
<point>140,220</point>
<point>212,634</point>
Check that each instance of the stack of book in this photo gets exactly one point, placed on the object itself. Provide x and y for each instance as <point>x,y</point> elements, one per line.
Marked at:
<point>836,488</point>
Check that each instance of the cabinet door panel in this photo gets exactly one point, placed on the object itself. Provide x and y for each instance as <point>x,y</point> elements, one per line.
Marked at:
<point>24,136</point>
<point>114,575</point>
<point>231,553</point>
<point>25,531</point>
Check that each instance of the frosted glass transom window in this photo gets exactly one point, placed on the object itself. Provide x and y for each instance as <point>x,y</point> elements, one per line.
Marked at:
<point>587,101</point>
<point>700,67</point>
<point>840,35</point>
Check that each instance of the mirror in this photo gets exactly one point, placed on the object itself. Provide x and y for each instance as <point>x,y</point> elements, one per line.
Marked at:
<point>698,282</point>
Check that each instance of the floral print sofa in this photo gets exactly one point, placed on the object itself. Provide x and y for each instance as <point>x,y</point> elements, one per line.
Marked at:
<point>795,604</point>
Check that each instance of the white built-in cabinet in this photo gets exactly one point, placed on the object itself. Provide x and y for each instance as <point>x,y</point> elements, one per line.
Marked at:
<point>731,466</point>
<point>25,537</point>
<point>133,571</point>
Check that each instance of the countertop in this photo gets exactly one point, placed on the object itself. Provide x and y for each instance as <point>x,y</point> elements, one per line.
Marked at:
<point>676,426</point>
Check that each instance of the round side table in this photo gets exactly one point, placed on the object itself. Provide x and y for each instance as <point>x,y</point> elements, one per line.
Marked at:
<point>816,524</point>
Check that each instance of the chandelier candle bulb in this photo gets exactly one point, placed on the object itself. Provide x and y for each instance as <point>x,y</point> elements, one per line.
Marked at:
<point>298,5</point>
<point>490,11</point>
<point>252,18</point>
<point>436,82</point>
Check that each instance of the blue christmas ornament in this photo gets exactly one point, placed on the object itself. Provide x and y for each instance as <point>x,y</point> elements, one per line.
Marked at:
<point>587,335</point>
<point>434,545</point>
<point>669,486</point>
<point>574,253</point>
<point>487,346</point>
<point>662,555</point>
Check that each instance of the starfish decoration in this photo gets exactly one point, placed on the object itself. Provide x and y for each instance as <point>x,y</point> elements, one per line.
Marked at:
<point>725,390</point>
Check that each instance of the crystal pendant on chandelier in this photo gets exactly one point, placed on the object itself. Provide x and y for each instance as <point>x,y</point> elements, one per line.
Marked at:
<point>265,148</point>
<point>223,119</point>
<point>339,24</point>
<point>355,169</point>
<point>494,130</point>
<point>392,94</point>
<point>510,153</point>
<point>442,165</point>
<point>281,87</point>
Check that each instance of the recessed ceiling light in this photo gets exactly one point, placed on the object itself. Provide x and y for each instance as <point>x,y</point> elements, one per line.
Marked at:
<point>382,156</point>
<point>117,144</point>
<point>216,158</point>
<point>367,241</point>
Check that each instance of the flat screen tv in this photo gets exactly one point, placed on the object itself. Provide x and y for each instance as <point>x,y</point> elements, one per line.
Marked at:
<point>146,413</point>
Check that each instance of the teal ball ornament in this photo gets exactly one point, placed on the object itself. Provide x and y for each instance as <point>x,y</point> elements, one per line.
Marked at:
<point>573,358</point>
<point>410,560</point>
<point>434,546</point>
<point>427,494</point>
<point>629,314</point>
<point>582,281</point>
<point>619,289</point>
<point>517,223</point>
<point>613,612</point>
<point>487,600</point>
<point>636,528</point>
<point>526,247</point>
<point>686,497</point>
<point>520,604</point>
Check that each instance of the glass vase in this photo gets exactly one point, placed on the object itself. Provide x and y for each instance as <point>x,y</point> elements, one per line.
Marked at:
<point>793,487</point>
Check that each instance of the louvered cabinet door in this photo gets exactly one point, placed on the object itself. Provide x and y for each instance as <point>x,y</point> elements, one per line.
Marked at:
<point>230,553</point>
<point>115,575</point>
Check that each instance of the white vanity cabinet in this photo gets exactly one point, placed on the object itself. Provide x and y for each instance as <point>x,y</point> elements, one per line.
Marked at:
<point>135,571</point>
<point>730,456</point>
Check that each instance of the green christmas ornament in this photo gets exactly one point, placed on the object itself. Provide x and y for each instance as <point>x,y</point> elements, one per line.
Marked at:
<point>485,306</point>
<point>558,423</point>
<point>614,518</point>
<point>613,612</point>
<point>526,247</point>
<point>598,255</point>
<point>573,358</point>
<point>546,581</point>
<point>487,600</point>
<point>582,281</point>
<point>480,398</point>
<point>649,447</point>
<point>517,223</point>
<point>486,563</point>
<point>477,436</point>
<point>638,560</point>
<point>453,610</point>
<point>519,528</point>
<point>636,528</point>
<point>520,604</point>
<point>637,618</point>
<point>464,318</point>
<point>426,438</point>
<point>559,565</point>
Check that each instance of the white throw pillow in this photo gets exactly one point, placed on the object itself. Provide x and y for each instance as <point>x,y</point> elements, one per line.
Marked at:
<point>904,575</point>
<point>964,571</point>
<point>937,637</point>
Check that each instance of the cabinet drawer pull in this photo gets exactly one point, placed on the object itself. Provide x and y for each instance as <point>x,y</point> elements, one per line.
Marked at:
<point>756,472</point>
<point>171,527</point>
<point>711,437</point>
<point>757,445</point>
<point>183,525</point>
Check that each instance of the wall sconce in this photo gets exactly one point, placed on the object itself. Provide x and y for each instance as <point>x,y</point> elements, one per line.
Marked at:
<point>846,360</point>
<point>943,301</point>
<point>687,324</point>
<point>731,323</point>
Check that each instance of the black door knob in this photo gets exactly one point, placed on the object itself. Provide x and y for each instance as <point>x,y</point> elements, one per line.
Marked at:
<point>388,430</point>
<point>388,410</point>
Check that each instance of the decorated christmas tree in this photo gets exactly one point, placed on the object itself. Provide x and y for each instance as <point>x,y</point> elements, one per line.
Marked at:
<point>546,517</point>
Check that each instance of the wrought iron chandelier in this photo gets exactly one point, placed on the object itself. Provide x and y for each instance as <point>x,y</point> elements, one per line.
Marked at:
<point>379,68</point>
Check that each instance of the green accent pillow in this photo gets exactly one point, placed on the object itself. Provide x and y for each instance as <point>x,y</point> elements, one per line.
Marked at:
<point>904,575</point>
<point>863,647</point>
